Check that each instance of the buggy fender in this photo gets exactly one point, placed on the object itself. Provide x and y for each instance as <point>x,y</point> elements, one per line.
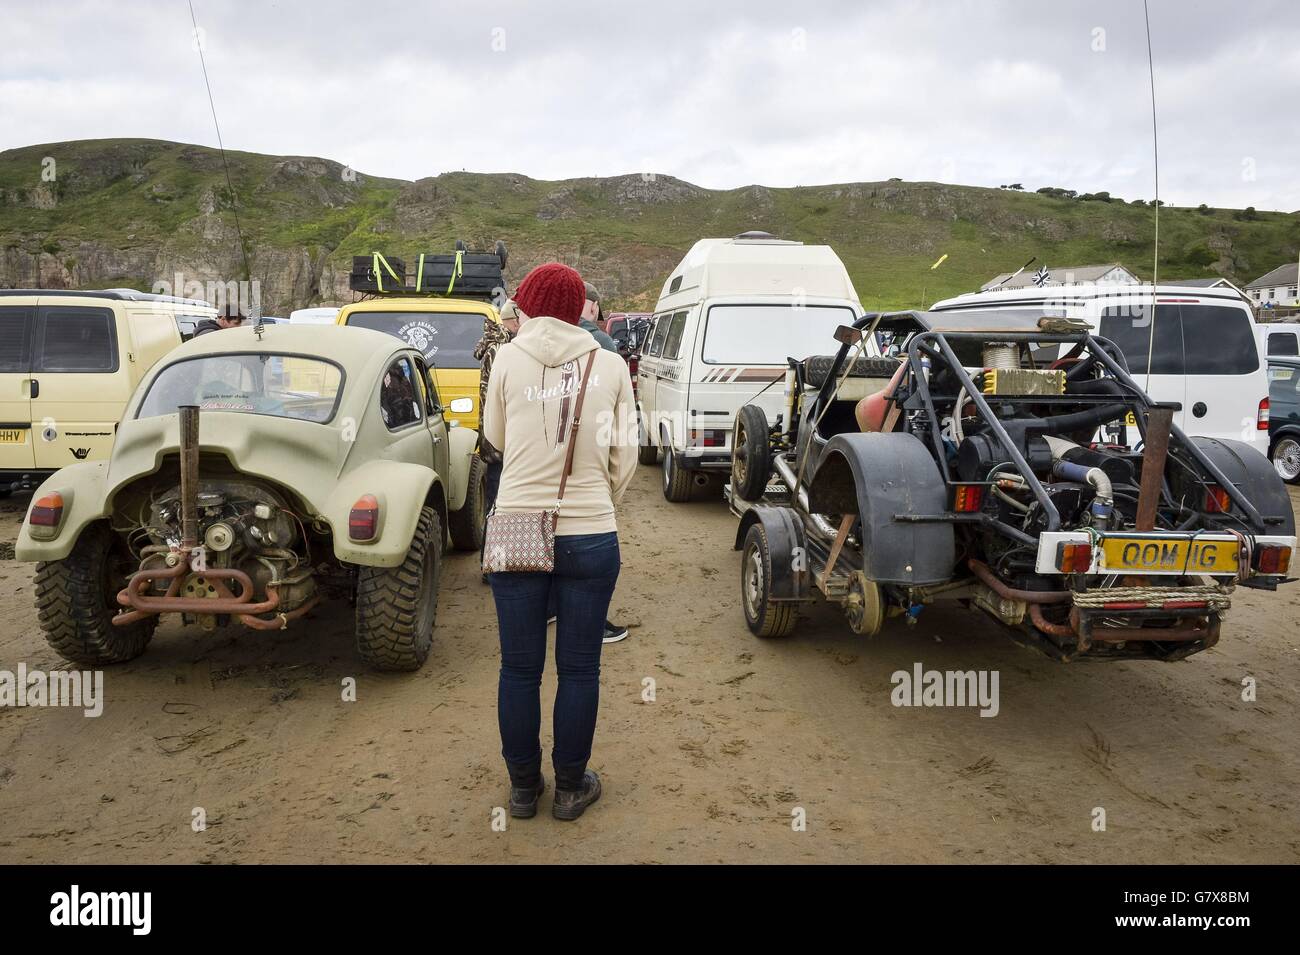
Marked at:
<point>1258,480</point>
<point>791,578</point>
<point>884,479</point>
<point>83,489</point>
<point>401,490</point>
<point>461,445</point>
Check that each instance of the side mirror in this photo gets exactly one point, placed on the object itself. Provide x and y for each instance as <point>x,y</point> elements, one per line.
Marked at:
<point>848,335</point>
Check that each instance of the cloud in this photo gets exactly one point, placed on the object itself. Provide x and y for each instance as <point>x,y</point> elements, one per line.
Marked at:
<point>722,94</point>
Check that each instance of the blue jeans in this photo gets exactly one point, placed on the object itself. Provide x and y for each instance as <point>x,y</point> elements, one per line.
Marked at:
<point>586,567</point>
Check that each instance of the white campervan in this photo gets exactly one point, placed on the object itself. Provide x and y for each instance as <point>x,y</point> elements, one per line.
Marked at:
<point>728,318</point>
<point>1206,352</point>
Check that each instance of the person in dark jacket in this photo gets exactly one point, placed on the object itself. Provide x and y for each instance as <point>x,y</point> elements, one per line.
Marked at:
<point>591,314</point>
<point>230,317</point>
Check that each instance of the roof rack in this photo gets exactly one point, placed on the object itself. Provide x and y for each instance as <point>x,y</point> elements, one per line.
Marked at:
<point>463,273</point>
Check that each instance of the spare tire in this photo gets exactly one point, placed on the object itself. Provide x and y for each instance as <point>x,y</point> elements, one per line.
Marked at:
<point>751,463</point>
<point>817,368</point>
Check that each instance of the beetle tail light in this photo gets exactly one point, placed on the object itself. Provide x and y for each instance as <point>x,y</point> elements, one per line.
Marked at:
<point>363,521</point>
<point>47,511</point>
<point>1272,559</point>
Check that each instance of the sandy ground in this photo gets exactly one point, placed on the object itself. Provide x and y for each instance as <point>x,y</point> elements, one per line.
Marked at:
<point>742,733</point>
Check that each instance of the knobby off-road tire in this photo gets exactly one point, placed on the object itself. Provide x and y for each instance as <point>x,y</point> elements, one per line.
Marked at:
<point>751,463</point>
<point>466,525</point>
<point>765,617</point>
<point>396,606</point>
<point>76,601</point>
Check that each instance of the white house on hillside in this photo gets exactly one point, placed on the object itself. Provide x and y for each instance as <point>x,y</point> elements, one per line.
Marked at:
<point>1277,287</point>
<point>1206,283</point>
<point>1113,274</point>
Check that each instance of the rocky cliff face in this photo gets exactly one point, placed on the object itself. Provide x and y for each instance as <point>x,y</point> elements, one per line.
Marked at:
<point>143,214</point>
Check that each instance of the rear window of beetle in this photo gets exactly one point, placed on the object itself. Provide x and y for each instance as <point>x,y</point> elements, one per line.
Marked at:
<point>282,386</point>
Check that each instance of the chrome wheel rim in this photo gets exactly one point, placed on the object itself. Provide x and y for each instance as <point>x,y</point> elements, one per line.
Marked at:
<point>752,584</point>
<point>1286,459</point>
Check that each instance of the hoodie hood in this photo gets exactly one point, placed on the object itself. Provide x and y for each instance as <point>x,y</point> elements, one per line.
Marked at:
<point>553,342</point>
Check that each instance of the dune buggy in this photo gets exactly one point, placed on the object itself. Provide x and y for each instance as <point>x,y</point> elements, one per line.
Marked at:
<point>255,471</point>
<point>1009,461</point>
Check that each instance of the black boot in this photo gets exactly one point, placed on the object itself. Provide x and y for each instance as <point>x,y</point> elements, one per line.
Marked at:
<point>572,803</point>
<point>526,786</point>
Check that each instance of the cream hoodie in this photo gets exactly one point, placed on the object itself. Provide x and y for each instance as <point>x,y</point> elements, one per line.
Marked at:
<point>530,399</point>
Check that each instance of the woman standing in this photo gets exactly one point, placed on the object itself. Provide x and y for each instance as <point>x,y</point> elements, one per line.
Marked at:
<point>529,412</point>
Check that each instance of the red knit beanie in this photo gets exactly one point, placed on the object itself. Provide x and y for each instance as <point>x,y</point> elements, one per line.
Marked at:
<point>552,289</point>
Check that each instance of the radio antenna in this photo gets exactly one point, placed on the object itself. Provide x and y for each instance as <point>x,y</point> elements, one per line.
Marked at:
<point>234,201</point>
<point>1155,149</point>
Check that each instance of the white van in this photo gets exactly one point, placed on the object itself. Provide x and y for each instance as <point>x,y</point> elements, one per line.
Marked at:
<point>728,317</point>
<point>319,315</point>
<point>1279,339</point>
<point>1206,354</point>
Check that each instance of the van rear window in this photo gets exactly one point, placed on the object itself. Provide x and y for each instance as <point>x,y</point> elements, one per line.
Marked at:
<point>1283,343</point>
<point>446,339</point>
<point>1189,339</point>
<point>769,334</point>
<point>1219,340</point>
<point>77,340</point>
<point>15,332</point>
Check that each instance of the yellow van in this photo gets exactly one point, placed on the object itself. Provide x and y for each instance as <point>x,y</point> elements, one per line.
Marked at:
<point>69,361</point>
<point>446,331</point>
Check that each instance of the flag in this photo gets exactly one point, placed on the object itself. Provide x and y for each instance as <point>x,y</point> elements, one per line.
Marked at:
<point>1042,276</point>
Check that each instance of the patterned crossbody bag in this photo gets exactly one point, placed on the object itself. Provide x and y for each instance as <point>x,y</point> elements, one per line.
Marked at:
<point>524,541</point>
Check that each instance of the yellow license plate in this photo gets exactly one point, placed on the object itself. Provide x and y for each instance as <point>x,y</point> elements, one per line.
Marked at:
<point>13,436</point>
<point>1139,555</point>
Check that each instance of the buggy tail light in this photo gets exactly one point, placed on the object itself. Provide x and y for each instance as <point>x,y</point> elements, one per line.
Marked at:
<point>1217,500</point>
<point>967,498</point>
<point>363,521</point>
<point>46,515</point>
<point>1272,559</point>
<point>1261,417</point>
<point>1074,558</point>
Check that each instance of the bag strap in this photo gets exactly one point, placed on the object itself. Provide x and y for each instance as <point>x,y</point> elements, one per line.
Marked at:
<point>573,428</point>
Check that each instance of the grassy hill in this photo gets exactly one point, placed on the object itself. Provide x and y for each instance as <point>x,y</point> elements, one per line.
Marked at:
<point>133,212</point>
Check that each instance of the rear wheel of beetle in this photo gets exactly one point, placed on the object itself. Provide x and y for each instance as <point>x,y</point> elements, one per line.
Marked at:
<point>397,606</point>
<point>76,601</point>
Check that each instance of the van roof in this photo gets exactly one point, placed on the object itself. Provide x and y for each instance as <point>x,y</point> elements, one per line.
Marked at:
<point>115,294</point>
<point>757,264</point>
<point>1062,296</point>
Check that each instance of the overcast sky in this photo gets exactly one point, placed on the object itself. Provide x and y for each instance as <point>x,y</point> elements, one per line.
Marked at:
<point>721,94</point>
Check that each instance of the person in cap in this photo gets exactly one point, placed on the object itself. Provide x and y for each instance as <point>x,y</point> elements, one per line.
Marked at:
<point>229,317</point>
<point>593,320</point>
<point>527,414</point>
